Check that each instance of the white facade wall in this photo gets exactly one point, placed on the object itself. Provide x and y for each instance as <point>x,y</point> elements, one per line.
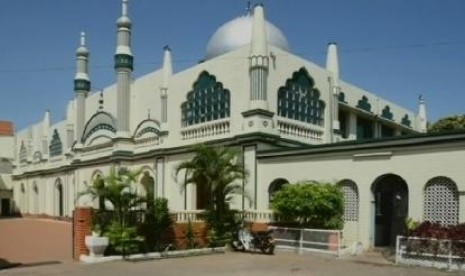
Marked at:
<point>415,164</point>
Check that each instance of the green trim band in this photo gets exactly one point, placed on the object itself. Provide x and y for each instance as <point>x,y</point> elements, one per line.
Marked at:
<point>124,61</point>
<point>81,85</point>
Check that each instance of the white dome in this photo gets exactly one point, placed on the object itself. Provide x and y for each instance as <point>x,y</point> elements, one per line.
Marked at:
<point>237,33</point>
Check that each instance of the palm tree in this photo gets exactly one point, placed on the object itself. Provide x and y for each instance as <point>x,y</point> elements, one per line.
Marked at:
<point>117,189</point>
<point>216,172</point>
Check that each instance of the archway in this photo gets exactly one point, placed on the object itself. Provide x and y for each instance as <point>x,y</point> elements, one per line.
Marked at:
<point>148,187</point>
<point>390,193</point>
<point>276,185</point>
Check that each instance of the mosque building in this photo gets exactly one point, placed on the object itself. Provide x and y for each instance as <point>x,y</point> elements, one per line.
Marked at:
<point>289,118</point>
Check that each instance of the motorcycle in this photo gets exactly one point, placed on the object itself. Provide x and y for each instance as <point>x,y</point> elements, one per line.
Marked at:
<point>243,240</point>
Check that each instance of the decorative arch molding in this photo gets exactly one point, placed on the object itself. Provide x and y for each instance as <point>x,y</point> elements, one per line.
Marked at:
<point>275,186</point>
<point>441,202</point>
<point>56,146</point>
<point>97,182</point>
<point>37,157</point>
<point>386,113</point>
<point>207,101</point>
<point>101,124</point>
<point>351,199</point>
<point>95,174</point>
<point>147,128</point>
<point>364,104</point>
<point>299,100</point>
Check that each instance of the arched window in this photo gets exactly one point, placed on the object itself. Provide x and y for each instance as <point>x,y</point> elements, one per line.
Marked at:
<point>148,183</point>
<point>441,201</point>
<point>351,200</point>
<point>35,195</point>
<point>276,185</point>
<point>99,183</point>
<point>60,201</point>
<point>207,101</point>
<point>300,100</point>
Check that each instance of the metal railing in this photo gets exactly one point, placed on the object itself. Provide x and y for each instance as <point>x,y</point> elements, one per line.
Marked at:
<point>310,240</point>
<point>431,252</point>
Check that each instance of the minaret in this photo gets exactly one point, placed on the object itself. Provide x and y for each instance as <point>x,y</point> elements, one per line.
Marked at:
<point>423,120</point>
<point>81,87</point>
<point>332,65</point>
<point>46,123</point>
<point>259,61</point>
<point>258,117</point>
<point>123,66</point>
<point>167,72</point>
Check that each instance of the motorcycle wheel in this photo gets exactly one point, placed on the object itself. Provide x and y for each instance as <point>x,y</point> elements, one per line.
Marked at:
<point>271,249</point>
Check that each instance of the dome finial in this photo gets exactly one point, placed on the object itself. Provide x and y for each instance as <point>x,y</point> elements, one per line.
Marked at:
<point>83,39</point>
<point>248,9</point>
<point>124,11</point>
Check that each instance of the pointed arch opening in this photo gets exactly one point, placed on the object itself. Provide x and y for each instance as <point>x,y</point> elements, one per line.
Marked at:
<point>207,101</point>
<point>299,100</point>
<point>351,200</point>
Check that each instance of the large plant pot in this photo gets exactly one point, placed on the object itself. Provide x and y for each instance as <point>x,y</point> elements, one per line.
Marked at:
<point>96,245</point>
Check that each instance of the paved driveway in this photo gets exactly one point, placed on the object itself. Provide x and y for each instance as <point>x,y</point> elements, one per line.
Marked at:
<point>33,241</point>
<point>241,264</point>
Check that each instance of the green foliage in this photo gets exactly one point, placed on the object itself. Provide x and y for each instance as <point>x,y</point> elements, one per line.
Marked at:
<point>311,204</point>
<point>116,188</point>
<point>448,124</point>
<point>123,239</point>
<point>216,171</point>
<point>190,236</point>
<point>157,222</point>
<point>411,224</point>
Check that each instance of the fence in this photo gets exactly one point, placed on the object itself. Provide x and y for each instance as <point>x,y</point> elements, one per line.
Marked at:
<point>311,240</point>
<point>431,252</point>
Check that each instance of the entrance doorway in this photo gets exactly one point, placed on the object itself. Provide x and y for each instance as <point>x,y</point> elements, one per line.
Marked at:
<point>6,207</point>
<point>390,209</point>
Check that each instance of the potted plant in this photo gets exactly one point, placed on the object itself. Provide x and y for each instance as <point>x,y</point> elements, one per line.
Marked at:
<point>96,243</point>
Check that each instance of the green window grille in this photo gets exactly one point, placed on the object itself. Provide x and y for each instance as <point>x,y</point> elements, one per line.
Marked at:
<point>22,153</point>
<point>387,131</point>
<point>386,113</point>
<point>56,147</point>
<point>364,129</point>
<point>207,101</point>
<point>364,104</point>
<point>406,121</point>
<point>300,100</point>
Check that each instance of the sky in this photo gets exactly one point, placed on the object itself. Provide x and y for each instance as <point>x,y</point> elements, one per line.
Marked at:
<point>397,49</point>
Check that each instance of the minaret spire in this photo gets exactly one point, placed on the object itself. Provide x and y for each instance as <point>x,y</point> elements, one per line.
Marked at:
<point>167,72</point>
<point>259,61</point>
<point>332,65</point>
<point>81,86</point>
<point>258,117</point>
<point>423,120</point>
<point>124,61</point>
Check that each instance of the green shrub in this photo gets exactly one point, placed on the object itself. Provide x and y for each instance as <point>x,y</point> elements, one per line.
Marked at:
<point>310,204</point>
